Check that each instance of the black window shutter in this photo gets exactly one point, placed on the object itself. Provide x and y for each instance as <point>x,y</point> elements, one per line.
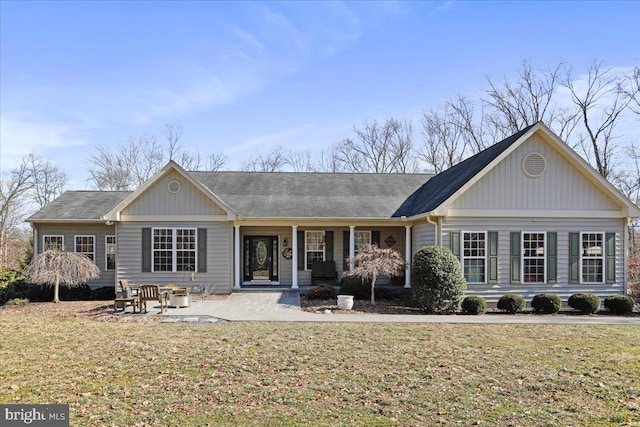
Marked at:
<point>345,250</point>
<point>146,250</point>
<point>610,254</point>
<point>375,238</point>
<point>328,242</point>
<point>302,263</point>
<point>515,257</point>
<point>574,257</point>
<point>493,257</point>
<point>202,250</point>
<point>552,257</point>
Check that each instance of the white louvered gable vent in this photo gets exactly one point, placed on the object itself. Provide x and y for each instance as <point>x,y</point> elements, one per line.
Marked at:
<point>534,165</point>
<point>174,186</point>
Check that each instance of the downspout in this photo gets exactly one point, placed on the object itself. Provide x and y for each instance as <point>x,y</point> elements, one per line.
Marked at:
<point>626,255</point>
<point>437,226</point>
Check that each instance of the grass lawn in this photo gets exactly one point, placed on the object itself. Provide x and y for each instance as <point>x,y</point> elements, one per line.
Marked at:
<point>274,374</point>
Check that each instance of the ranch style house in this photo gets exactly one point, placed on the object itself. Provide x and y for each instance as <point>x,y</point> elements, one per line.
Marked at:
<point>527,215</point>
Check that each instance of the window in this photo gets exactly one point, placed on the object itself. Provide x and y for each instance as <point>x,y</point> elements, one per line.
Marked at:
<point>474,256</point>
<point>85,245</point>
<point>533,257</point>
<point>592,257</point>
<point>314,246</point>
<point>174,249</point>
<point>110,252</point>
<point>363,238</point>
<point>54,243</point>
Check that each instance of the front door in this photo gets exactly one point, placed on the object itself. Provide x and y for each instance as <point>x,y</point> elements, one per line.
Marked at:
<point>261,258</point>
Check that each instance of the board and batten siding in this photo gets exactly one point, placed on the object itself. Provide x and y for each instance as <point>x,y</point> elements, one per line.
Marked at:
<point>69,231</point>
<point>561,186</point>
<point>562,226</point>
<point>423,234</point>
<point>158,200</point>
<point>219,272</point>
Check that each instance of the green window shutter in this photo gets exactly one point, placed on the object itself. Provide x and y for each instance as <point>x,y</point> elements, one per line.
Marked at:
<point>552,257</point>
<point>202,250</point>
<point>345,250</point>
<point>574,257</point>
<point>301,244</point>
<point>328,243</point>
<point>146,250</point>
<point>493,257</point>
<point>454,243</point>
<point>610,254</point>
<point>375,238</point>
<point>515,257</point>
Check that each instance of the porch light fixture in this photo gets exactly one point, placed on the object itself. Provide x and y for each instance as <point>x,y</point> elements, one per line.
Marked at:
<point>285,242</point>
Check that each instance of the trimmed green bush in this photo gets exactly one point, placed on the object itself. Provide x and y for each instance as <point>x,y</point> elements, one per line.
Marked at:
<point>351,285</point>
<point>45,293</point>
<point>437,283</point>
<point>322,292</point>
<point>584,303</point>
<point>619,304</point>
<point>511,303</point>
<point>546,303</point>
<point>12,285</point>
<point>474,305</point>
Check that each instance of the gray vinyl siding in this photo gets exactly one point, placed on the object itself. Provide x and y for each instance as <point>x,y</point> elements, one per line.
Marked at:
<point>424,234</point>
<point>69,231</point>
<point>562,226</point>
<point>219,255</point>
<point>157,200</point>
<point>562,186</point>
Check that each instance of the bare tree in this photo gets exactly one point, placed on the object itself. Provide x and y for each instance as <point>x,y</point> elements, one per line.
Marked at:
<point>329,161</point>
<point>444,143</point>
<point>372,262</point>
<point>600,105</point>
<point>516,104</point>
<point>54,267</point>
<point>48,180</point>
<point>376,148</point>
<point>300,161</point>
<point>216,161</point>
<point>272,162</point>
<point>631,89</point>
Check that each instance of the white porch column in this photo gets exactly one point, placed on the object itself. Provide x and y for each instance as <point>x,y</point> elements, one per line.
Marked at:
<point>236,258</point>
<point>352,244</point>
<point>294,257</point>
<point>407,256</point>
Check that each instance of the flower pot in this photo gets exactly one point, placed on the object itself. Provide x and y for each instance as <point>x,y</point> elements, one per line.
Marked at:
<point>345,302</point>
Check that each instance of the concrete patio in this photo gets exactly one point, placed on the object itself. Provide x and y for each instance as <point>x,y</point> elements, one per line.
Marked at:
<point>284,306</point>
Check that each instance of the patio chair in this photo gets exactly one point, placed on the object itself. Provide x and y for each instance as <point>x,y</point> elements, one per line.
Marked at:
<point>152,293</point>
<point>125,296</point>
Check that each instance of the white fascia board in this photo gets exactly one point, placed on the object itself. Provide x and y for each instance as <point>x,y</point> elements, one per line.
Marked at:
<point>534,213</point>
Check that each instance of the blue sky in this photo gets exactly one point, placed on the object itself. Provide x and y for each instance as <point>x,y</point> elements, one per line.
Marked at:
<point>242,77</point>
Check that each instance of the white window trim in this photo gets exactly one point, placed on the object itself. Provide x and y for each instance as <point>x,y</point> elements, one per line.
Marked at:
<point>107,253</point>
<point>174,249</point>
<point>486,251</point>
<point>602,257</point>
<point>324,246</point>
<point>368,232</point>
<point>544,258</point>
<point>75,245</point>
<point>52,235</point>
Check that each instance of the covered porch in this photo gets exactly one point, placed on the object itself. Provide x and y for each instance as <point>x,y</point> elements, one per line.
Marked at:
<point>278,254</point>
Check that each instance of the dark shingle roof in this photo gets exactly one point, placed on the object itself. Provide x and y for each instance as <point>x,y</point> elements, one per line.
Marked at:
<point>442,186</point>
<point>311,195</point>
<point>80,205</point>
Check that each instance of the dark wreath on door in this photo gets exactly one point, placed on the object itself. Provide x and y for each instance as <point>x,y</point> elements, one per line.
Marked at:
<point>261,258</point>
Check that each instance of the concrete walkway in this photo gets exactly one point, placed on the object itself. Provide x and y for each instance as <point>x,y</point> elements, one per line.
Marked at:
<point>284,306</point>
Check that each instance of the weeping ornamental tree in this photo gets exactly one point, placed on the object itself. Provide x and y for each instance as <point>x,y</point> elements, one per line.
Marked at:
<point>372,262</point>
<point>54,267</point>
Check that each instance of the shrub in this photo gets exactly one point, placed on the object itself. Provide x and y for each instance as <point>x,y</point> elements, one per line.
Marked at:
<point>474,305</point>
<point>44,293</point>
<point>104,293</point>
<point>437,283</point>
<point>546,303</point>
<point>584,303</point>
<point>322,292</point>
<point>511,303</point>
<point>619,304</point>
<point>12,285</point>
<point>351,285</point>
